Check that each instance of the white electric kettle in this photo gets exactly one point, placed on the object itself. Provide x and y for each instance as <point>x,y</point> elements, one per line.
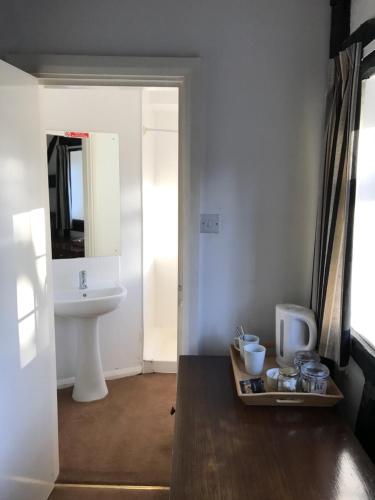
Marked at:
<point>291,332</point>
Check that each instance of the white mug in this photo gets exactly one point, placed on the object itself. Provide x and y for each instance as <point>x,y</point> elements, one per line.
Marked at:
<point>240,342</point>
<point>254,355</point>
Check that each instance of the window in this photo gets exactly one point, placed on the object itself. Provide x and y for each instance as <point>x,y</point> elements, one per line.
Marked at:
<point>363,270</point>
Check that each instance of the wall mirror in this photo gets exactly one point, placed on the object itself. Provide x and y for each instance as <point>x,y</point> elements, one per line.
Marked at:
<point>84,194</point>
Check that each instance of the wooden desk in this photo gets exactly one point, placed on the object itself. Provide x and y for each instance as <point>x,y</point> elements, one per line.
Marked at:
<point>224,450</point>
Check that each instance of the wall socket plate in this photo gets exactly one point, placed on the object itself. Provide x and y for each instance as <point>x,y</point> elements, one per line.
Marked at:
<point>210,223</point>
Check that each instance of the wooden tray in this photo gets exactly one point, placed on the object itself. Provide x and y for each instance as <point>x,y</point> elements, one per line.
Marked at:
<point>332,397</point>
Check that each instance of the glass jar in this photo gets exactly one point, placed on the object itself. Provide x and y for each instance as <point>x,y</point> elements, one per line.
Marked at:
<point>302,357</point>
<point>288,378</point>
<point>314,377</point>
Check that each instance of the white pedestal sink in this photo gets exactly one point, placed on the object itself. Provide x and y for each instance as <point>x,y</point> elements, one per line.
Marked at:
<point>85,306</point>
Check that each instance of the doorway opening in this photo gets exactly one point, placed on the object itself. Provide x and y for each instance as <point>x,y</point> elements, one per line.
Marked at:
<point>126,176</point>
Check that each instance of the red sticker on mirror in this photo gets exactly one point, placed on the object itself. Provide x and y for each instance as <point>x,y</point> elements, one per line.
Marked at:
<point>77,135</point>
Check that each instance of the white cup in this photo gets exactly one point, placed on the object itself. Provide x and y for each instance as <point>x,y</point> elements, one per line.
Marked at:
<point>240,342</point>
<point>254,355</point>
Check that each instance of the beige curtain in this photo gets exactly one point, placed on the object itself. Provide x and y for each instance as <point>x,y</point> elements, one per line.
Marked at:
<point>333,244</point>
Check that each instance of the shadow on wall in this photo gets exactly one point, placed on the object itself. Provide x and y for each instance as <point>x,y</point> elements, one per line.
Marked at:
<point>30,244</point>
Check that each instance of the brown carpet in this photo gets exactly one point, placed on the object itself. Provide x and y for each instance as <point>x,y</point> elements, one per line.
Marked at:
<point>125,438</point>
<point>62,493</point>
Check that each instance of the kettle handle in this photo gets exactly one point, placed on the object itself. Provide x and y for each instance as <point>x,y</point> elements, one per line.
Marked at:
<point>310,321</point>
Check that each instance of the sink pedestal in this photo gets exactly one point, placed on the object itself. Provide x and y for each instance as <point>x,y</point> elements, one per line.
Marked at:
<point>89,381</point>
<point>84,307</point>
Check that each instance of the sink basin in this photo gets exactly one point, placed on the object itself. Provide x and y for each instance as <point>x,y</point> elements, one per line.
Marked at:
<point>88,303</point>
<point>84,307</point>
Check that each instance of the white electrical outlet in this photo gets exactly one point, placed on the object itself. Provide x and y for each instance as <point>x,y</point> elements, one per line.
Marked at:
<point>210,223</point>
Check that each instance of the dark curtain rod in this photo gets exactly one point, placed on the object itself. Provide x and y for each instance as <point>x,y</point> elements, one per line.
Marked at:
<point>365,34</point>
<point>72,142</point>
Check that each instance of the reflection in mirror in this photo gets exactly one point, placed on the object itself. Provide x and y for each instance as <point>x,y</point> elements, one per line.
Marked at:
<point>84,194</point>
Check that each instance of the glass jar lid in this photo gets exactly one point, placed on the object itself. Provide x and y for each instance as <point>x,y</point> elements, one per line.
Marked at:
<point>288,371</point>
<point>302,357</point>
<point>316,370</point>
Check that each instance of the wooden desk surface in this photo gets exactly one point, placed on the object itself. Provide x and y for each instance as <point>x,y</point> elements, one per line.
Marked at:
<point>224,450</point>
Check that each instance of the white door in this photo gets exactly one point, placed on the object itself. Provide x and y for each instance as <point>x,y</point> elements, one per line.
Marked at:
<point>28,410</point>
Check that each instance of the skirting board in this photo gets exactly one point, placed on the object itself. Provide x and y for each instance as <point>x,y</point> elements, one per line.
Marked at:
<point>62,383</point>
<point>159,366</point>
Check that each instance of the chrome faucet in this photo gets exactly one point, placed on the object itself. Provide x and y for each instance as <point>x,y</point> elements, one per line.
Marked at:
<point>82,280</point>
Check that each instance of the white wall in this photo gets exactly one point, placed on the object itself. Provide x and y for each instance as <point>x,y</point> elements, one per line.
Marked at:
<point>148,181</point>
<point>118,111</point>
<point>264,83</point>
<point>160,224</point>
<point>361,11</point>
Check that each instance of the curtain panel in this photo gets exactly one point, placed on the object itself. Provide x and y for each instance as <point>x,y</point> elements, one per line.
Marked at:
<point>333,241</point>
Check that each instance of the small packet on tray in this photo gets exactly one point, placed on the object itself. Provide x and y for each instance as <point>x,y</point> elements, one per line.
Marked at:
<point>252,386</point>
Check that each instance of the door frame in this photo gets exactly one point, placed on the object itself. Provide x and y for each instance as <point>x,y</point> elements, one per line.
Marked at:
<point>185,74</point>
